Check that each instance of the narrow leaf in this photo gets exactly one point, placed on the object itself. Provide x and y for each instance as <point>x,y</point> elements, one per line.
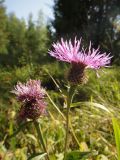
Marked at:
<point>100,106</point>
<point>37,156</point>
<point>116,128</point>
<point>19,129</point>
<point>76,155</point>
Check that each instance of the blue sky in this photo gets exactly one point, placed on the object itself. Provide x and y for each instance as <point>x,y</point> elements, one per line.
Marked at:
<point>22,8</point>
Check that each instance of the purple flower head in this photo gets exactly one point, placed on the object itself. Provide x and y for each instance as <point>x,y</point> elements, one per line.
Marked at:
<point>74,53</point>
<point>31,90</point>
<point>79,57</point>
<point>31,95</point>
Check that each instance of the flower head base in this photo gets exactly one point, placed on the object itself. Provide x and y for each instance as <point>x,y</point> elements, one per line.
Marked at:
<point>31,95</point>
<point>79,57</point>
<point>76,74</point>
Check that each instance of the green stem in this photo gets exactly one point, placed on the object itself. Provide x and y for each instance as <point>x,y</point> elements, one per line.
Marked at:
<point>67,125</point>
<point>40,138</point>
<point>69,100</point>
<point>72,130</point>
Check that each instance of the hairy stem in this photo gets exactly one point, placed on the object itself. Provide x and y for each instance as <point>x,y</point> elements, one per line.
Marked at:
<point>69,100</point>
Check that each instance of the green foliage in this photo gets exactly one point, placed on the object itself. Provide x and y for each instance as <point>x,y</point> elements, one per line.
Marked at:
<point>75,155</point>
<point>3,33</point>
<point>16,36</point>
<point>90,121</point>
<point>36,41</point>
<point>116,127</point>
<point>23,43</point>
<point>37,156</point>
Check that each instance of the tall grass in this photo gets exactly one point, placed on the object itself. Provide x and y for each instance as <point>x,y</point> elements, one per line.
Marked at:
<point>91,124</point>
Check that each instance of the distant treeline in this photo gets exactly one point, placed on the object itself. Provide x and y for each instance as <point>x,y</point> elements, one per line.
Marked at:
<point>24,42</point>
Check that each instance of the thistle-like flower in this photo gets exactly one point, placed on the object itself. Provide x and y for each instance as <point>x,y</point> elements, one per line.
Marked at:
<point>79,58</point>
<point>31,95</point>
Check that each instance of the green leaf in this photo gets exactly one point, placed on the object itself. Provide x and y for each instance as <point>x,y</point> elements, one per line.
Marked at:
<point>56,107</point>
<point>102,157</point>
<point>64,118</point>
<point>97,105</point>
<point>19,129</point>
<point>37,156</point>
<point>77,155</point>
<point>31,137</point>
<point>116,128</point>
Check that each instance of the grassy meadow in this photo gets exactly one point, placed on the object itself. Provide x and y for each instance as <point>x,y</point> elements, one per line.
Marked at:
<point>91,114</point>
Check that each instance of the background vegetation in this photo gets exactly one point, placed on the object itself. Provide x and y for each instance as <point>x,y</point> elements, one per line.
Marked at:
<point>24,55</point>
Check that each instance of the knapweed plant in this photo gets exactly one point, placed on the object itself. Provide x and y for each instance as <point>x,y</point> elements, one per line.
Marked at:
<point>32,95</point>
<point>80,59</point>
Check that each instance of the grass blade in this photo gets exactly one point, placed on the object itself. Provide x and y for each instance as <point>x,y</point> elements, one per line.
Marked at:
<point>97,105</point>
<point>116,128</point>
<point>37,156</point>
